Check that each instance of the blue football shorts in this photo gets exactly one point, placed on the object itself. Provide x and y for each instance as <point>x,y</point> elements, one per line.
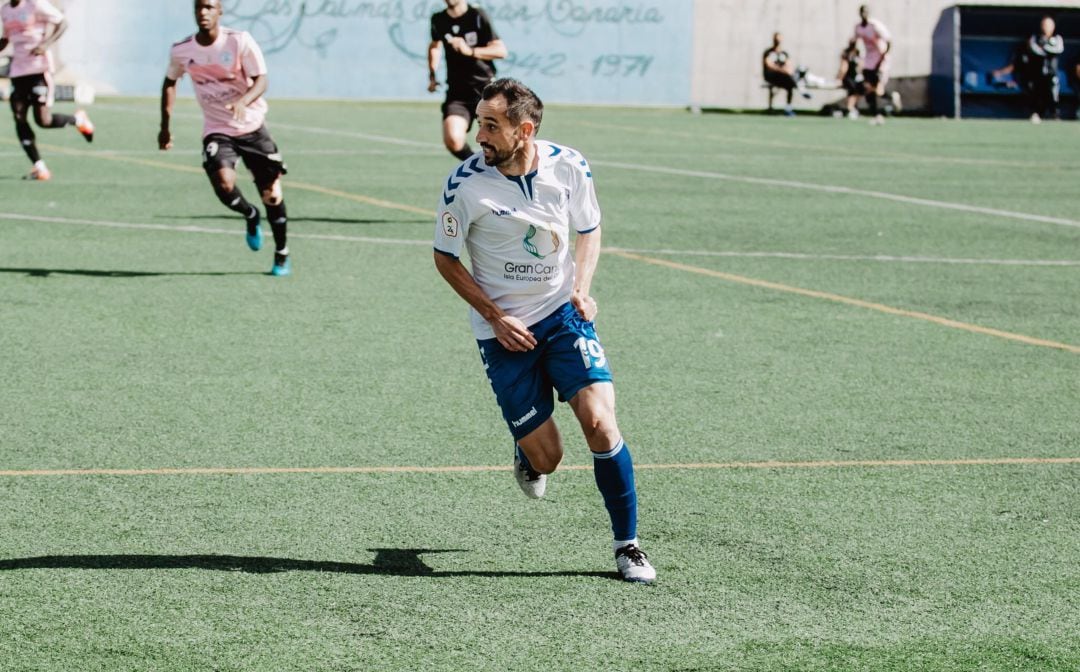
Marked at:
<point>567,358</point>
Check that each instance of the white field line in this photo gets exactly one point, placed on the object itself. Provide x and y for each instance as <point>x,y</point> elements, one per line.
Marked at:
<point>272,124</point>
<point>476,469</point>
<point>699,253</point>
<point>832,189</point>
<point>292,152</point>
<point>203,229</point>
<point>708,175</point>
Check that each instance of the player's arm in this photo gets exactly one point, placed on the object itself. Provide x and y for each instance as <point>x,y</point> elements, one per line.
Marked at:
<point>586,256</point>
<point>492,51</point>
<point>3,43</point>
<point>58,29</point>
<point>168,99</point>
<point>511,332</point>
<point>239,106</point>
<point>434,56</point>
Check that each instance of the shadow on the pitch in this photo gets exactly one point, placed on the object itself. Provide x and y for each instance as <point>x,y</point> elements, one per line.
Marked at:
<point>387,562</point>
<point>46,272</point>
<point>314,220</point>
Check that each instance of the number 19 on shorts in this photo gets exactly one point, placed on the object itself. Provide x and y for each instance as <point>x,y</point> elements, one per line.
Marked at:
<point>592,353</point>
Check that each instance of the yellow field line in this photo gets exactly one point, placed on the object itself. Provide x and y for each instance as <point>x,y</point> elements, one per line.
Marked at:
<point>291,184</point>
<point>944,321</point>
<point>693,466</point>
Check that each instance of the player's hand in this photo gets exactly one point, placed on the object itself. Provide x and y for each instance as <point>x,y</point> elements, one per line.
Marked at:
<point>238,109</point>
<point>459,45</point>
<point>512,334</point>
<point>585,305</point>
<point>39,51</point>
<point>432,84</point>
<point>164,140</point>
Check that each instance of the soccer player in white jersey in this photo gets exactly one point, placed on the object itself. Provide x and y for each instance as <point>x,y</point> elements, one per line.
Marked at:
<point>513,208</point>
<point>32,27</point>
<point>877,43</point>
<point>229,73</point>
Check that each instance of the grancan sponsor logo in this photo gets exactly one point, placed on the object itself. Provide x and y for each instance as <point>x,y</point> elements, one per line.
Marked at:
<point>530,269</point>
<point>525,418</point>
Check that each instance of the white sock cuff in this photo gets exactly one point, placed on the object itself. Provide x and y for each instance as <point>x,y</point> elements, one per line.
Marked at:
<point>611,453</point>
<point>616,545</point>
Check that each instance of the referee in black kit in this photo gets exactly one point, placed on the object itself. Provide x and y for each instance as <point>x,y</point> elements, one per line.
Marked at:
<point>471,46</point>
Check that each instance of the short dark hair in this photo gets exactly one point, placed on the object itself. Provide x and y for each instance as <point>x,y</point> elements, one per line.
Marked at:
<point>521,102</point>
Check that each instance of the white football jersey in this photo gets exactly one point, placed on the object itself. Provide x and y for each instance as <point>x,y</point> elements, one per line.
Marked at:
<point>517,230</point>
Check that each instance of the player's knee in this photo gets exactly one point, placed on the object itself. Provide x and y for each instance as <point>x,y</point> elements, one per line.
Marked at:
<point>224,189</point>
<point>273,195</point>
<point>600,430</point>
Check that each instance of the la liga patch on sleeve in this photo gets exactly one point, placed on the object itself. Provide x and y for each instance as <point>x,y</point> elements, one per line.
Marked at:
<point>450,225</point>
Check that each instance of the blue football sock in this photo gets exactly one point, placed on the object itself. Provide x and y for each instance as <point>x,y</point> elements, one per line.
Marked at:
<point>614,471</point>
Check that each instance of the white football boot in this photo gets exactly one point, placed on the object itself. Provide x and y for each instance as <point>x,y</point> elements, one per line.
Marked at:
<point>532,483</point>
<point>634,565</point>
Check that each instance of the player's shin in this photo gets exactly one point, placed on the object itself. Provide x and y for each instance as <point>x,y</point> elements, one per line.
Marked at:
<point>235,201</point>
<point>279,222</point>
<point>614,471</point>
<point>26,139</point>
<point>60,121</point>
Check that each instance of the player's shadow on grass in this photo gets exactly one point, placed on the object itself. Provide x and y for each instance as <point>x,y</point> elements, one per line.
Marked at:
<point>387,562</point>
<point>316,220</point>
<point>46,272</point>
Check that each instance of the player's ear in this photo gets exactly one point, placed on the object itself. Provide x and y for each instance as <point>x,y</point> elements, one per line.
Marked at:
<point>527,128</point>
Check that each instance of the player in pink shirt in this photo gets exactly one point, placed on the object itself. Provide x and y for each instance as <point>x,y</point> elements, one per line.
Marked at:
<point>229,74</point>
<point>877,43</point>
<point>32,27</point>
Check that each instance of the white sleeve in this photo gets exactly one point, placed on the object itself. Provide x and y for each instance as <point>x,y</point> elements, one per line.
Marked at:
<point>46,11</point>
<point>251,56</point>
<point>452,223</point>
<point>584,208</point>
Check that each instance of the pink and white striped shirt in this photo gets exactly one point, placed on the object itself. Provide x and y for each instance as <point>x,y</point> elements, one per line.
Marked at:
<point>222,73</point>
<point>25,27</point>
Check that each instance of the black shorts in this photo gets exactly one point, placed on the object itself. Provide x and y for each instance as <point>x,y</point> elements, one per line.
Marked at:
<point>32,89</point>
<point>871,77</point>
<point>258,150</point>
<point>461,104</point>
<point>780,79</point>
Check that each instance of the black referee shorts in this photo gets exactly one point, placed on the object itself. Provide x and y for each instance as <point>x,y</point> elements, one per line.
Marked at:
<point>461,104</point>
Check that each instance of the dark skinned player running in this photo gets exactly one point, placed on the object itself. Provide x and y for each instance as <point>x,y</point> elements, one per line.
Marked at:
<point>230,77</point>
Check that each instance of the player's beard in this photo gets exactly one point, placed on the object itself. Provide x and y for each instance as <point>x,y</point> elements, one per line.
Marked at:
<point>498,158</point>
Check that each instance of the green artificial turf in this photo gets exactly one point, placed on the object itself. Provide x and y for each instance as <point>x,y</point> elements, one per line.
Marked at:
<point>140,333</point>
